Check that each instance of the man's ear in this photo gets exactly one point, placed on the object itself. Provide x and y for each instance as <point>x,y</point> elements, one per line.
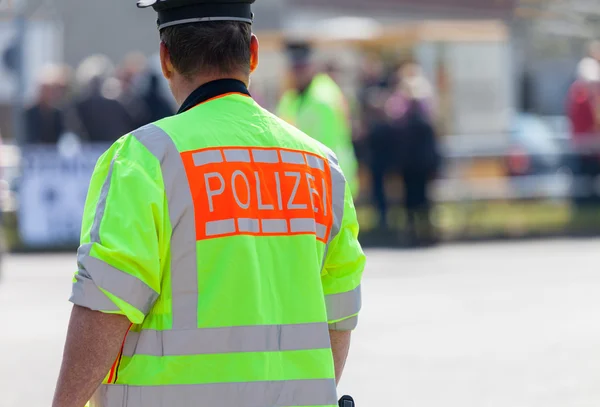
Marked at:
<point>165,62</point>
<point>253,53</point>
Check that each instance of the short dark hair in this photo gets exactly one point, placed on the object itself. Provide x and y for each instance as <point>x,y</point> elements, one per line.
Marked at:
<point>216,47</point>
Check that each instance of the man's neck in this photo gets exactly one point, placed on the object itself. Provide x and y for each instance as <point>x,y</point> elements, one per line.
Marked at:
<point>186,88</point>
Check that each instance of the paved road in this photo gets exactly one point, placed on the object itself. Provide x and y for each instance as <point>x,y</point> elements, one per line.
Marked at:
<point>498,325</point>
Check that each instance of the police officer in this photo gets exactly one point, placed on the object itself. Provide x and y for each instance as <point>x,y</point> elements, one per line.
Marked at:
<point>219,263</point>
<point>317,106</point>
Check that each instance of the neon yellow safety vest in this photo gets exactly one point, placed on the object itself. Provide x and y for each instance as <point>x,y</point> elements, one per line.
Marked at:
<point>229,240</point>
<point>322,112</point>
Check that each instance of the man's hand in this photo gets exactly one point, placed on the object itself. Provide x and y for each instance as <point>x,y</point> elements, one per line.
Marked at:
<point>94,341</point>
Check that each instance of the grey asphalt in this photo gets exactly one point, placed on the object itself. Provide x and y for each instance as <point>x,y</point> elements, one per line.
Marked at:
<point>487,325</point>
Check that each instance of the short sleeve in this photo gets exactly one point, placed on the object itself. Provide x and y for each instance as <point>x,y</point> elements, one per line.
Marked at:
<point>343,270</point>
<point>119,266</point>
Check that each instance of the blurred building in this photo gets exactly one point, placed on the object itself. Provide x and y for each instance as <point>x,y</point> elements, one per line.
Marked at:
<point>131,28</point>
<point>546,49</point>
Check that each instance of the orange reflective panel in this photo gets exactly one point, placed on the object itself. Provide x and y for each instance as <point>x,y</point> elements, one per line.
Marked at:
<point>259,191</point>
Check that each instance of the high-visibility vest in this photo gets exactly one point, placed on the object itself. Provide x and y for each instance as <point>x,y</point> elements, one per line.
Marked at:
<point>229,239</point>
<point>323,113</point>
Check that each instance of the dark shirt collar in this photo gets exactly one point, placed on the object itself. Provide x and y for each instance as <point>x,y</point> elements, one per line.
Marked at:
<point>212,90</point>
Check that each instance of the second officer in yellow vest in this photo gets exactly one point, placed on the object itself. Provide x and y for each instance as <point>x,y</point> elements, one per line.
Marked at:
<point>317,106</point>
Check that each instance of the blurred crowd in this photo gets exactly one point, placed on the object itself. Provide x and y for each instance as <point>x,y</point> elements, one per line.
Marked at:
<point>397,118</point>
<point>97,102</point>
<point>397,136</point>
<point>393,119</point>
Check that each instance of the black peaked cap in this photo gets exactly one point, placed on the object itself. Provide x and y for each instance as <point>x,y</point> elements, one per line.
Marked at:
<point>176,12</point>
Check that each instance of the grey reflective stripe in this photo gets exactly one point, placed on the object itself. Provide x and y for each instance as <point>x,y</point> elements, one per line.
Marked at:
<point>95,273</point>
<point>290,157</point>
<point>220,227</point>
<point>315,162</point>
<point>345,325</point>
<point>184,276</point>
<point>120,284</point>
<point>265,156</point>
<point>302,225</point>
<point>245,225</point>
<point>321,231</point>
<point>284,393</point>
<point>338,197</point>
<point>248,225</point>
<point>237,156</point>
<point>274,226</point>
<point>206,157</point>
<point>343,305</point>
<point>204,341</point>
<point>87,294</point>
<point>101,205</point>
<point>130,343</point>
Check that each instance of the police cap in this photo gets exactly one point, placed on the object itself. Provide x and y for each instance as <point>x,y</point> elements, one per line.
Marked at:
<point>175,12</point>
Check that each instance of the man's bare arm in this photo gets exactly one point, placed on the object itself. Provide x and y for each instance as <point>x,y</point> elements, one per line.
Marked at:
<point>93,343</point>
<point>340,345</point>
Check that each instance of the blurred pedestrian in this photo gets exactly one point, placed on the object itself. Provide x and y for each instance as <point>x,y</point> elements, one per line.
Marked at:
<point>417,151</point>
<point>158,107</point>
<point>583,109</point>
<point>44,121</point>
<point>376,132</point>
<point>130,75</point>
<point>102,117</point>
<point>63,84</point>
<point>317,106</point>
<point>380,140</point>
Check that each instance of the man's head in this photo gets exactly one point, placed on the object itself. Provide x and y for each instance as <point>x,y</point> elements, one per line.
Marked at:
<point>133,65</point>
<point>204,40</point>
<point>211,49</point>
<point>302,68</point>
<point>93,72</point>
<point>588,70</point>
<point>51,82</point>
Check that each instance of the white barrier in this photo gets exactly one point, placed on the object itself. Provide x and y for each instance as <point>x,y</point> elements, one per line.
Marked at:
<point>52,191</point>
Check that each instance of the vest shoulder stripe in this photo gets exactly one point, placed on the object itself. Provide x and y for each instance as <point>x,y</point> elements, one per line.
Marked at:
<point>183,242</point>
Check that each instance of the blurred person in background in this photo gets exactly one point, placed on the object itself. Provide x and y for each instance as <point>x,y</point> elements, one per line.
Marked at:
<point>67,91</point>
<point>102,118</point>
<point>45,121</point>
<point>157,105</point>
<point>129,75</point>
<point>382,156</point>
<point>410,110</point>
<point>317,106</point>
<point>376,131</point>
<point>63,84</point>
<point>583,109</point>
<point>140,92</point>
